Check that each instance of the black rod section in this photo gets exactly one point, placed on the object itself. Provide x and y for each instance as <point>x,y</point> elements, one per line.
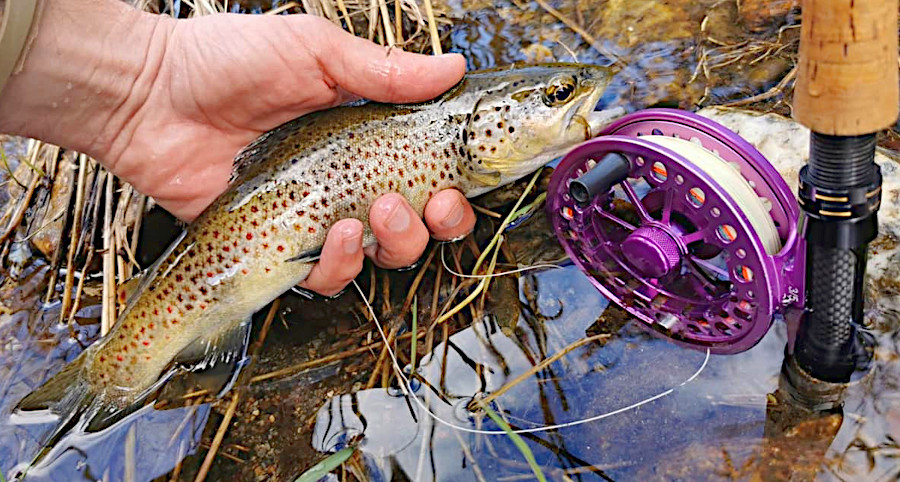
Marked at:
<point>840,192</point>
<point>612,169</point>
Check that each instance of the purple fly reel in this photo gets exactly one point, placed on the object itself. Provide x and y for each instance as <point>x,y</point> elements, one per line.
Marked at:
<point>668,239</point>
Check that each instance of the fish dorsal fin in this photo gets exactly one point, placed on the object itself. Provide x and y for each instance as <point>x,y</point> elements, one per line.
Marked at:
<point>470,163</point>
<point>126,290</point>
<point>265,145</point>
<point>211,363</point>
<point>134,286</point>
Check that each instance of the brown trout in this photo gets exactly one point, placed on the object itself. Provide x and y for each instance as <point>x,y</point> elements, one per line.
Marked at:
<point>262,236</point>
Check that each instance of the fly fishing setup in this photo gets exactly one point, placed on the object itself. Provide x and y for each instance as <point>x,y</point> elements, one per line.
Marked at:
<point>690,229</point>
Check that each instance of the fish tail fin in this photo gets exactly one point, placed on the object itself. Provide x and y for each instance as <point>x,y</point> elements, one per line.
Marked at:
<point>66,396</point>
<point>62,393</point>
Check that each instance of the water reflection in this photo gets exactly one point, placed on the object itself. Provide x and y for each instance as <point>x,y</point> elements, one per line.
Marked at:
<point>600,377</point>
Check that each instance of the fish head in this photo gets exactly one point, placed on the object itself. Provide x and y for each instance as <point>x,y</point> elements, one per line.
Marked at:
<point>527,116</point>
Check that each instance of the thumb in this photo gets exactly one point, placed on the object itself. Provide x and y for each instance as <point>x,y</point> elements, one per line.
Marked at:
<point>374,72</point>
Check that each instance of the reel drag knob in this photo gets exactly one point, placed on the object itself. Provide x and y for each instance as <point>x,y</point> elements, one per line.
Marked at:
<point>651,252</point>
<point>683,224</point>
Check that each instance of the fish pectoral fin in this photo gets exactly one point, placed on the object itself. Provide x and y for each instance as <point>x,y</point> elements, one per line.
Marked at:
<point>310,256</point>
<point>483,178</point>
<point>212,363</point>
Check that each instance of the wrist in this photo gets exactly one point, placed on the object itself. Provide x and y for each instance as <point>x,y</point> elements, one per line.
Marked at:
<point>88,69</point>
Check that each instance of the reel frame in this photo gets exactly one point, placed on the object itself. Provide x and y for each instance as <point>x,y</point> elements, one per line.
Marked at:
<point>659,263</point>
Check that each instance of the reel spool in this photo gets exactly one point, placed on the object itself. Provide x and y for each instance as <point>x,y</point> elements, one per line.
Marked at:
<point>683,224</point>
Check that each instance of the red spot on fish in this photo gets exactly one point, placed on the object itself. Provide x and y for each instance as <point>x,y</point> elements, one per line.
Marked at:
<point>147,358</point>
<point>265,245</point>
<point>121,337</point>
<point>102,358</point>
<point>246,250</point>
<point>174,322</point>
<point>169,309</point>
<point>155,311</point>
<point>146,343</point>
<point>244,271</point>
<point>226,249</point>
<point>280,248</point>
<point>120,358</point>
<point>143,314</point>
<point>151,326</point>
<point>189,307</point>
<point>268,269</point>
<point>249,236</point>
<point>312,229</point>
<point>209,274</point>
<point>409,183</point>
<point>178,278</point>
<point>143,329</point>
<point>253,209</point>
<point>202,306</point>
<point>216,234</point>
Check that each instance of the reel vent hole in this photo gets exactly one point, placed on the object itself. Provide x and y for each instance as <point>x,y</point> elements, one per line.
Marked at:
<point>743,273</point>
<point>740,253</point>
<point>639,161</point>
<point>679,179</point>
<point>696,197</point>
<point>658,172</point>
<point>726,233</point>
<point>742,314</point>
<point>715,212</point>
<point>723,328</point>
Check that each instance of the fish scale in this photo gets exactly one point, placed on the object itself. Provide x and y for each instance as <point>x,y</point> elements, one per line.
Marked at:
<point>259,238</point>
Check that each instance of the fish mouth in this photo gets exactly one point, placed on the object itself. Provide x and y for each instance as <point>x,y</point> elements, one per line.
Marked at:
<point>594,121</point>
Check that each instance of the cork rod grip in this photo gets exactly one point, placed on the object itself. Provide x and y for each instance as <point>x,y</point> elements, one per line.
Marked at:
<point>848,68</point>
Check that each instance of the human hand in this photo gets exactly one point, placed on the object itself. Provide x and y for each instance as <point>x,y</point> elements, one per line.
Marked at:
<point>169,116</point>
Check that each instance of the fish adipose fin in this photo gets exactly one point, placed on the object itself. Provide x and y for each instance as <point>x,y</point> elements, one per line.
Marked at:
<point>212,363</point>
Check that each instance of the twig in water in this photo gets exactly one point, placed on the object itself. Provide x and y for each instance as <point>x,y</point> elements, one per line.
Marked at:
<point>769,93</point>
<point>540,366</point>
<point>590,39</point>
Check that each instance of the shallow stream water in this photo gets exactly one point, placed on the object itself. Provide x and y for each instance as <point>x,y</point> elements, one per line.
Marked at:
<point>707,418</point>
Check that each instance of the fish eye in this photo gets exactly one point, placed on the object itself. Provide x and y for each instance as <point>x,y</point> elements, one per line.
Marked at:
<point>559,91</point>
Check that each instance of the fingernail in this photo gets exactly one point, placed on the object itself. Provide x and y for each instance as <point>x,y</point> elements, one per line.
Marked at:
<point>398,220</point>
<point>455,217</point>
<point>352,240</point>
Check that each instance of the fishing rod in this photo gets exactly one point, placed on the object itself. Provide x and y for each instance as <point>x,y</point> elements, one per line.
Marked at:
<point>690,229</point>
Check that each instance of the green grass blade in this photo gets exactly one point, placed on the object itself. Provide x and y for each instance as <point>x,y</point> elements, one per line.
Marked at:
<point>517,440</point>
<point>322,468</point>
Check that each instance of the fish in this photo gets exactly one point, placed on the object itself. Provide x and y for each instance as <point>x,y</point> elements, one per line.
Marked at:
<point>191,310</point>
